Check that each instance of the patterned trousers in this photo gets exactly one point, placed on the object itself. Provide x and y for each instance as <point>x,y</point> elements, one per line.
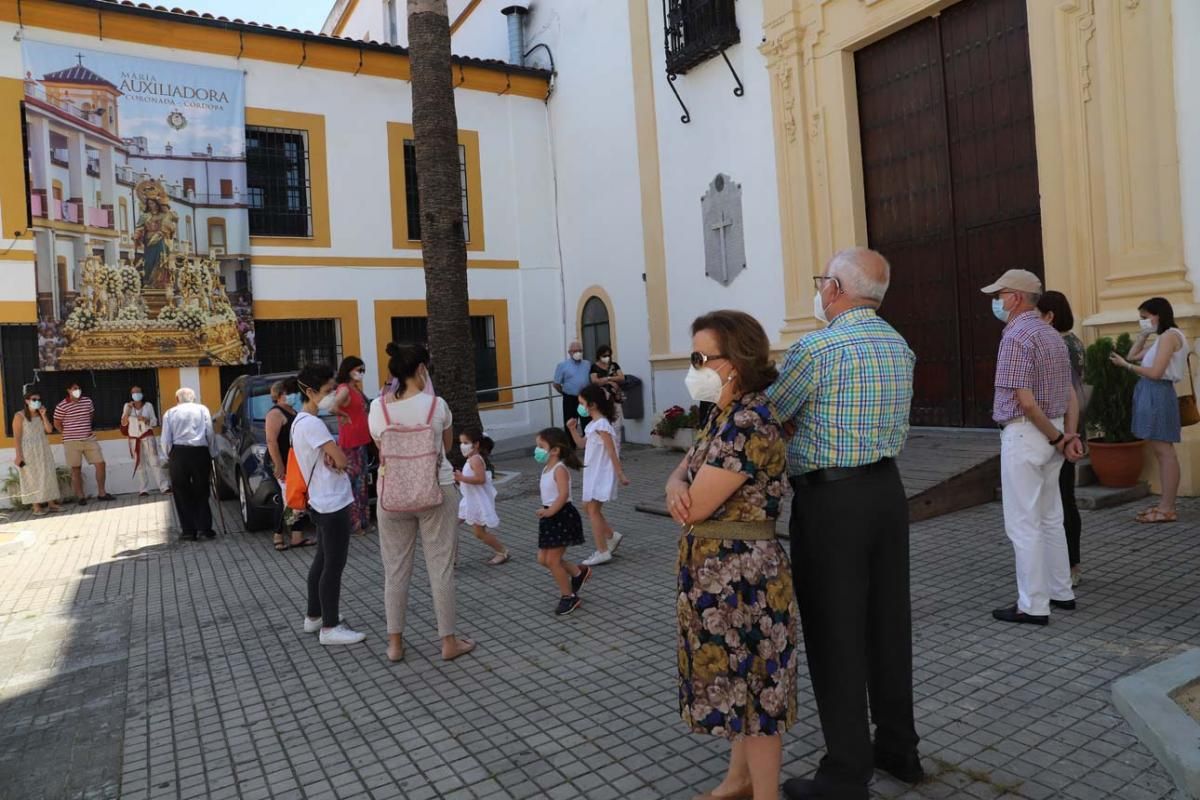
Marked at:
<point>356,469</point>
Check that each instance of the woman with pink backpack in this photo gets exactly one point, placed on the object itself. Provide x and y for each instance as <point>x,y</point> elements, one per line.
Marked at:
<point>416,497</point>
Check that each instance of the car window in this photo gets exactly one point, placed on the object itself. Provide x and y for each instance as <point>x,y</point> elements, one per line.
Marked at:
<point>233,399</point>
<point>259,405</point>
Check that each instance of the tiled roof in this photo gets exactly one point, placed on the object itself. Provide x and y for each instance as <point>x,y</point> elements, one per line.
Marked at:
<point>195,17</point>
<point>77,74</point>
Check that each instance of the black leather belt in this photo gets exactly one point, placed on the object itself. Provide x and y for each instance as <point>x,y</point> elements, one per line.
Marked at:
<point>833,474</point>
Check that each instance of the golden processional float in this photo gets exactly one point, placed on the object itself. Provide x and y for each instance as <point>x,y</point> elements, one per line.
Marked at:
<point>168,309</point>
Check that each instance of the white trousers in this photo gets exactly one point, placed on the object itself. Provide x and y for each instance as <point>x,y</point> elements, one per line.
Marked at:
<point>1033,516</point>
<point>150,473</point>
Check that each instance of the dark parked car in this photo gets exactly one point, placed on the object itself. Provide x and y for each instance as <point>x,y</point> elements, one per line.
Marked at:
<point>243,465</point>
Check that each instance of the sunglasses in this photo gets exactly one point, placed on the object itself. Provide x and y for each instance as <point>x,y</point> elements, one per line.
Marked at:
<point>699,359</point>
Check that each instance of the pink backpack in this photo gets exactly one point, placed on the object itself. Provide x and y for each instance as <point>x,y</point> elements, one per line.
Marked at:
<point>409,460</point>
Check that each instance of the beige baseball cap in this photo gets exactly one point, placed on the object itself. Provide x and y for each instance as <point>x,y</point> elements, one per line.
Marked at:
<point>1015,280</point>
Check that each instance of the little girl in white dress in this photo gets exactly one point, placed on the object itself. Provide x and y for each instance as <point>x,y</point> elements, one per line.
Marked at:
<point>478,505</point>
<point>602,470</point>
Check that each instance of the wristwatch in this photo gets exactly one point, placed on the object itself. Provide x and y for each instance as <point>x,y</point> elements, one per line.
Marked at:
<point>1055,442</point>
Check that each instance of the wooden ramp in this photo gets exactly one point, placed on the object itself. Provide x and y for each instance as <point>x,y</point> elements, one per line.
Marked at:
<point>948,469</point>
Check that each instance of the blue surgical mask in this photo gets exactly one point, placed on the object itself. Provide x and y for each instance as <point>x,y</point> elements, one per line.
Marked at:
<point>583,410</point>
<point>293,400</point>
<point>998,309</point>
<point>541,455</point>
<point>137,397</point>
<point>34,405</point>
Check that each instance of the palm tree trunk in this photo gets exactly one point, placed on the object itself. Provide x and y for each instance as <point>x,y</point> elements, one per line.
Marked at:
<point>435,131</point>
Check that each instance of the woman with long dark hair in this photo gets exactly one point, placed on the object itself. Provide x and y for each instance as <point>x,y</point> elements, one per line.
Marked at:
<point>1056,311</point>
<point>34,459</point>
<point>350,405</point>
<point>1155,407</point>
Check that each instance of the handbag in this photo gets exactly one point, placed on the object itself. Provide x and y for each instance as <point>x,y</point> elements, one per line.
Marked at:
<point>1189,414</point>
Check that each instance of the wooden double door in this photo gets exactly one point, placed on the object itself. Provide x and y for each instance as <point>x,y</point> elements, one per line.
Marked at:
<point>950,173</point>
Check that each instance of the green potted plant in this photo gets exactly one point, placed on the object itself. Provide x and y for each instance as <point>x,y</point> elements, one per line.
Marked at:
<point>1116,453</point>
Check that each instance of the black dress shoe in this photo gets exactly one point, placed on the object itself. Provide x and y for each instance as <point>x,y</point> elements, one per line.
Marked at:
<point>188,536</point>
<point>1065,605</point>
<point>906,768</point>
<point>808,789</point>
<point>210,534</point>
<point>1013,614</point>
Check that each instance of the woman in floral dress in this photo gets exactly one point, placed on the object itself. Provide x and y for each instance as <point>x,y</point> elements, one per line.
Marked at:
<point>736,608</point>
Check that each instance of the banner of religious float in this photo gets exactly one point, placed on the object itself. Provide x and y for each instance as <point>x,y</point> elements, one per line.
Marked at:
<point>138,199</point>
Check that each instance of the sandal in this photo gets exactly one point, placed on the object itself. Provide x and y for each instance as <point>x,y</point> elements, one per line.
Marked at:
<point>280,545</point>
<point>304,543</point>
<point>498,559</point>
<point>395,657</point>
<point>1153,516</point>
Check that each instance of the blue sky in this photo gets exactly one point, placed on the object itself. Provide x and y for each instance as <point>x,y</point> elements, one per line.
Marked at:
<point>302,14</point>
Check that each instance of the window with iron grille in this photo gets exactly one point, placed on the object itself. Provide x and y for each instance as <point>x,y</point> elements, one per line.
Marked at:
<point>278,188</point>
<point>413,197</point>
<point>108,388</point>
<point>697,30</point>
<point>415,330</point>
<point>287,345</point>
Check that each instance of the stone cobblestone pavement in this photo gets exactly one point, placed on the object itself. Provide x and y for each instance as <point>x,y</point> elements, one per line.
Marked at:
<point>136,666</point>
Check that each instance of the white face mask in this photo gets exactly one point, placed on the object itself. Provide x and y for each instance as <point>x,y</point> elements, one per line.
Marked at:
<point>466,449</point>
<point>326,403</point>
<point>1147,325</point>
<point>358,375</point>
<point>605,359</point>
<point>576,356</point>
<point>704,384</point>
<point>819,309</point>
<point>77,393</point>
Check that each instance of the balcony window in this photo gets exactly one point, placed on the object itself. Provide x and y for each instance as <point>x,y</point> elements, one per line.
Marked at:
<point>697,30</point>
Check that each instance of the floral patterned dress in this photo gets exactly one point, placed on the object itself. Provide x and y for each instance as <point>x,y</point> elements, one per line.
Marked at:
<point>735,604</point>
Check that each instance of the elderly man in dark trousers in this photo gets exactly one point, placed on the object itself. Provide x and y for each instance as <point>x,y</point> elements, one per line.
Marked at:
<point>570,378</point>
<point>846,390</point>
<point>187,438</point>
<point>1036,406</point>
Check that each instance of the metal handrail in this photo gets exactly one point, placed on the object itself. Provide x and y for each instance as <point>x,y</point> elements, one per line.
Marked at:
<point>493,404</point>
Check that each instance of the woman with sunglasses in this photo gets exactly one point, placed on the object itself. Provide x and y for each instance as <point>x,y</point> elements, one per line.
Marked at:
<point>737,613</point>
<point>35,461</point>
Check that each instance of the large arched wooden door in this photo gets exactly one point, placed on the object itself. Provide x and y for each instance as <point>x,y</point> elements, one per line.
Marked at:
<point>950,179</point>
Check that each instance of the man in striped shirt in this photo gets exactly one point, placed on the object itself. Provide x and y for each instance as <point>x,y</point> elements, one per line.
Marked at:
<point>847,390</point>
<point>73,418</point>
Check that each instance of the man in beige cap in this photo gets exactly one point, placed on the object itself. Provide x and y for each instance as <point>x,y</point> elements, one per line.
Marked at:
<point>1036,406</point>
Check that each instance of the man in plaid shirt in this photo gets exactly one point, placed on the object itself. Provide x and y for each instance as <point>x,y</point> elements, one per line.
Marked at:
<point>1036,406</point>
<point>847,390</point>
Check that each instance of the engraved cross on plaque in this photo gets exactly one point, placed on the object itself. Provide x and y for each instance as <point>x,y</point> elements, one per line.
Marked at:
<point>724,236</point>
<point>723,222</point>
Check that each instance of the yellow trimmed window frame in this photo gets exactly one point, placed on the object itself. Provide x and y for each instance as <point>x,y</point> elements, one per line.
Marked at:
<point>398,133</point>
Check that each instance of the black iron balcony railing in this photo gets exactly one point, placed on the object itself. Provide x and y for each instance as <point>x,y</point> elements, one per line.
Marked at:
<point>697,30</point>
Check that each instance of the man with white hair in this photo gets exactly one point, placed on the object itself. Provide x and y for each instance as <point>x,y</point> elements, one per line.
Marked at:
<point>570,378</point>
<point>846,390</point>
<point>188,440</point>
<point>1036,406</point>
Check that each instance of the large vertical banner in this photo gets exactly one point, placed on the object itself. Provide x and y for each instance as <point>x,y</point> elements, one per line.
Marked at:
<point>137,181</point>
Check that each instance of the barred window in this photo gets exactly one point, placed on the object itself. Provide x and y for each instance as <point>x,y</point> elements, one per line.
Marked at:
<point>415,330</point>
<point>413,196</point>
<point>108,388</point>
<point>698,30</point>
<point>278,182</point>
<point>287,345</point>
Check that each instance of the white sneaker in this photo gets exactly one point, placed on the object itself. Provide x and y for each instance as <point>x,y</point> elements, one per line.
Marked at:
<point>314,625</point>
<point>341,635</point>
<point>598,557</point>
<point>614,542</point>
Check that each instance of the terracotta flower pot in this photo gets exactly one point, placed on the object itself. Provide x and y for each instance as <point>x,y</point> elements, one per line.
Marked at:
<point>1117,466</point>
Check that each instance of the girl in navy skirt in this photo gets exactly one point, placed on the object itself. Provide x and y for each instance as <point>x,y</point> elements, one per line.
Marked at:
<point>1155,407</point>
<point>559,524</point>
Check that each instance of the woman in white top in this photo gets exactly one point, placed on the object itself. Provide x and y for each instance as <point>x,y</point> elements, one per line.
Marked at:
<point>322,467</point>
<point>437,527</point>
<point>139,419</point>
<point>1155,406</point>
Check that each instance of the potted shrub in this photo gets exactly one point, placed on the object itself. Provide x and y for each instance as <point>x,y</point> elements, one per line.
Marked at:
<point>676,428</point>
<point>1115,453</point>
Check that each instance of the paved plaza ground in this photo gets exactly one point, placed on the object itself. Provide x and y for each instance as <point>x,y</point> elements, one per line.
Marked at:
<point>133,665</point>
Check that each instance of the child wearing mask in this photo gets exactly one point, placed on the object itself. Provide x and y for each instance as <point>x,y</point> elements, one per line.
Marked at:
<point>478,505</point>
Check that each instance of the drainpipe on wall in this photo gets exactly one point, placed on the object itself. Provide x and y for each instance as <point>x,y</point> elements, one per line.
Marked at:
<point>516,32</point>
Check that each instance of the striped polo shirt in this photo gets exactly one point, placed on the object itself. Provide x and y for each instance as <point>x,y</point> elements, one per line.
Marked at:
<point>74,418</point>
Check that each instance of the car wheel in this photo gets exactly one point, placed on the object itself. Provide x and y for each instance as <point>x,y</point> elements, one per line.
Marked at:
<point>253,518</point>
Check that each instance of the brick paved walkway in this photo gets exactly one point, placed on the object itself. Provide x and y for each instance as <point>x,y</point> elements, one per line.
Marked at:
<point>135,666</point>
